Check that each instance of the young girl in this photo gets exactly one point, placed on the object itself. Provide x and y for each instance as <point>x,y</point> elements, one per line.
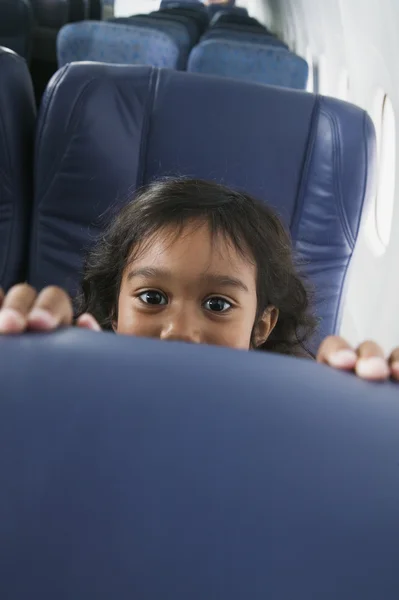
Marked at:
<point>194,261</point>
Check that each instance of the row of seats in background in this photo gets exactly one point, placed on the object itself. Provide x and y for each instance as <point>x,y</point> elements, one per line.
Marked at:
<point>182,36</point>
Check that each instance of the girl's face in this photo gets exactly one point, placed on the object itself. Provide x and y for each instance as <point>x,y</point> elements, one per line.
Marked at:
<point>194,289</point>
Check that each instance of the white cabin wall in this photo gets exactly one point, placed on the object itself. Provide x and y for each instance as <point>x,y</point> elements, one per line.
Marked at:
<point>354,46</point>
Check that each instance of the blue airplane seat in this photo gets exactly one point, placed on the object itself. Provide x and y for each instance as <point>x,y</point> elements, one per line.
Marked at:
<point>17,127</point>
<point>102,41</point>
<point>309,157</point>
<point>134,468</point>
<point>191,25</point>
<point>242,36</point>
<point>259,63</point>
<point>176,31</point>
<point>16,26</point>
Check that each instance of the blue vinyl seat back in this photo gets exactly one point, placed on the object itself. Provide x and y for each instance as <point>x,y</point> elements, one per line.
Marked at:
<point>16,26</point>
<point>134,468</point>
<point>250,38</point>
<point>102,41</point>
<point>309,157</point>
<point>174,30</point>
<point>17,126</point>
<point>249,62</point>
<point>190,24</point>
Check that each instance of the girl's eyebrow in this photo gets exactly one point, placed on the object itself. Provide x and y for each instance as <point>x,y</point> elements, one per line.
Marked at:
<point>210,278</point>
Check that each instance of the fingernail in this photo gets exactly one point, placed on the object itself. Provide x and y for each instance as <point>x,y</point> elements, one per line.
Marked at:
<point>88,321</point>
<point>395,369</point>
<point>11,321</point>
<point>343,359</point>
<point>374,367</point>
<point>40,318</point>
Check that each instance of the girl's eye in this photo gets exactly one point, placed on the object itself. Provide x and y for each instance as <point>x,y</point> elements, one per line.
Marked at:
<point>216,304</point>
<point>153,297</point>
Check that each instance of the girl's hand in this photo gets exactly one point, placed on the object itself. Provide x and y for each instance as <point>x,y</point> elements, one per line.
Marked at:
<point>367,361</point>
<point>23,309</point>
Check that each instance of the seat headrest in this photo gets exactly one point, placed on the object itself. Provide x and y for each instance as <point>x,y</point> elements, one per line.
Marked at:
<point>249,61</point>
<point>116,43</point>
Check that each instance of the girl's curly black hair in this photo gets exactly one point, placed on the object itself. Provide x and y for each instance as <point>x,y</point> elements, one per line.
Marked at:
<point>252,227</point>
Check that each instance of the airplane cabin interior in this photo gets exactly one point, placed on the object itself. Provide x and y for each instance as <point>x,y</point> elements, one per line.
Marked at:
<point>203,468</point>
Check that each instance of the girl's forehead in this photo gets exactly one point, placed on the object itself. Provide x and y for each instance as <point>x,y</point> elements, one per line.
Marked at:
<point>194,245</point>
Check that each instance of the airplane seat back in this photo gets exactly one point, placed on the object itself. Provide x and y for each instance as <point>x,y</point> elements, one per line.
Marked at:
<point>136,468</point>
<point>105,131</point>
<point>190,24</point>
<point>17,127</point>
<point>259,63</point>
<point>238,36</point>
<point>116,43</point>
<point>177,31</point>
<point>16,26</point>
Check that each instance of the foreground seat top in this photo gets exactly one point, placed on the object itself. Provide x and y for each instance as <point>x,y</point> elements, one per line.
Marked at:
<point>116,43</point>
<point>132,468</point>
<point>309,157</point>
<point>17,126</point>
<point>259,63</point>
<point>16,26</point>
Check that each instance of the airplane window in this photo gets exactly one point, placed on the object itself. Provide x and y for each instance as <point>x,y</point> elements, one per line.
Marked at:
<point>309,60</point>
<point>386,172</point>
<point>379,220</point>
